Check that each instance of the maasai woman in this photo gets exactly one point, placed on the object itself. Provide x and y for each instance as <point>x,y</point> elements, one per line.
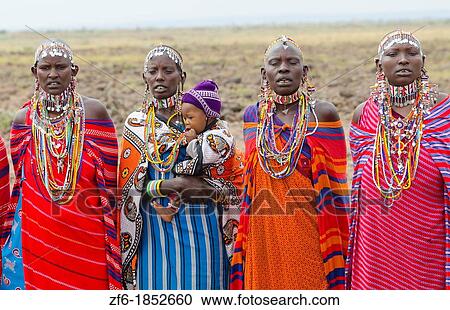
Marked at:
<point>400,227</point>
<point>293,226</point>
<point>187,252</point>
<point>64,151</point>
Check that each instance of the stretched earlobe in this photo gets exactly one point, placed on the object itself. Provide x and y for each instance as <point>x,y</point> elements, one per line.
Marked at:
<point>263,73</point>
<point>36,84</point>
<point>305,70</point>
<point>378,64</point>
<point>183,79</point>
<point>75,70</point>
<point>34,71</point>
<point>147,95</point>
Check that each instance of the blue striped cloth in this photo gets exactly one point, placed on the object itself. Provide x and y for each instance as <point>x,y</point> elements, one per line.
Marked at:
<point>187,253</point>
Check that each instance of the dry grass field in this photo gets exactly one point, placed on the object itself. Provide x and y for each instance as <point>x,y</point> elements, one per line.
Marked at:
<point>340,57</point>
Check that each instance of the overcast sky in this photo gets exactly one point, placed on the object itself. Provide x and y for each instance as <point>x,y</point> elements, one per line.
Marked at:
<point>76,14</point>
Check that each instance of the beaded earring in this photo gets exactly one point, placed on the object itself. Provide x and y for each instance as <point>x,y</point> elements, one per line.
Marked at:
<point>310,88</point>
<point>430,91</point>
<point>264,85</point>
<point>36,85</point>
<point>380,88</point>
<point>179,102</point>
<point>265,88</point>
<point>146,99</point>
<point>73,85</point>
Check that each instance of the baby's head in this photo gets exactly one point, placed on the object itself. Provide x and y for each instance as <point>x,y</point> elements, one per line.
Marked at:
<point>201,105</point>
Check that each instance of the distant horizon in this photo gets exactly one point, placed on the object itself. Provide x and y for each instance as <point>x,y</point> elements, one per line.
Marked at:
<point>48,15</point>
<point>230,24</point>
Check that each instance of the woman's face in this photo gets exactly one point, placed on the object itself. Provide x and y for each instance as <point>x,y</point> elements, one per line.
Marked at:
<point>163,77</point>
<point>284,69</point>
<point>54,74</point>
<point>401,64</point>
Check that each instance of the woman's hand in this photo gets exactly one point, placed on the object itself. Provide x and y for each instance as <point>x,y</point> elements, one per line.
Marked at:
<point>190,189</point>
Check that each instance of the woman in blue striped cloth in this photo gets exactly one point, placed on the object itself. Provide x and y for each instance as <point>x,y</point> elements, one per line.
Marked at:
<point>185,250</point>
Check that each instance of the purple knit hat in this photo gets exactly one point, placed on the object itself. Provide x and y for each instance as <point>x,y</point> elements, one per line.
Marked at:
<point>205,96</point>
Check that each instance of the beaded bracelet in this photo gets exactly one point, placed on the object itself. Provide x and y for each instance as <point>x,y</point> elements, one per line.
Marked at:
<point>154,189</point>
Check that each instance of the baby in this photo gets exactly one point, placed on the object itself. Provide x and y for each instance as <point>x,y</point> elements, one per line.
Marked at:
<point>211,150</point>
<point>210,143</point>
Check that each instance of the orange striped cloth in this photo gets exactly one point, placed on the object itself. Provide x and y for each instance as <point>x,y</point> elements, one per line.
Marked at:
<point>283,241</point>
<point>329,228</point>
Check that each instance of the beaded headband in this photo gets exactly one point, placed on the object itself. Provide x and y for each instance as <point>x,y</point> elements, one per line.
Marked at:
<point>397,37</point>
<point>53,48</point>
<point>284,40</point>
<point>168,51</point>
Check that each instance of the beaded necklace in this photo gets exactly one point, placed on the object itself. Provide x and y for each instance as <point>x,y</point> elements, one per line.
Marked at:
<point>154,153</point>
<point>401,96</point>
<point>281,163</point>
<point>55,103</point>
<point>397,142</point>
<point>164,103</point>
<point>60,138</point>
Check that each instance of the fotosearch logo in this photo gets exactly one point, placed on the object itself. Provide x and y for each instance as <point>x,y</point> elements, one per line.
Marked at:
<point>98,202</point>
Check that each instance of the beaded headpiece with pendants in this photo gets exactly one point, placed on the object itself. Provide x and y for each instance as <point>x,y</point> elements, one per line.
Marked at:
<point>397,37</point>
<point>284,40</point>
<point>166,50</point>
<point>53,48</point>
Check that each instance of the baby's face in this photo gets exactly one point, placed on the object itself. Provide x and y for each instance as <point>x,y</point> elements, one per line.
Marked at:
<point>193,117</point>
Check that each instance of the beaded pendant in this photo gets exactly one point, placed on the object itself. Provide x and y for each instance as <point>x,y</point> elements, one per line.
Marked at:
<point>281,162</point>
<point>155,144</point>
